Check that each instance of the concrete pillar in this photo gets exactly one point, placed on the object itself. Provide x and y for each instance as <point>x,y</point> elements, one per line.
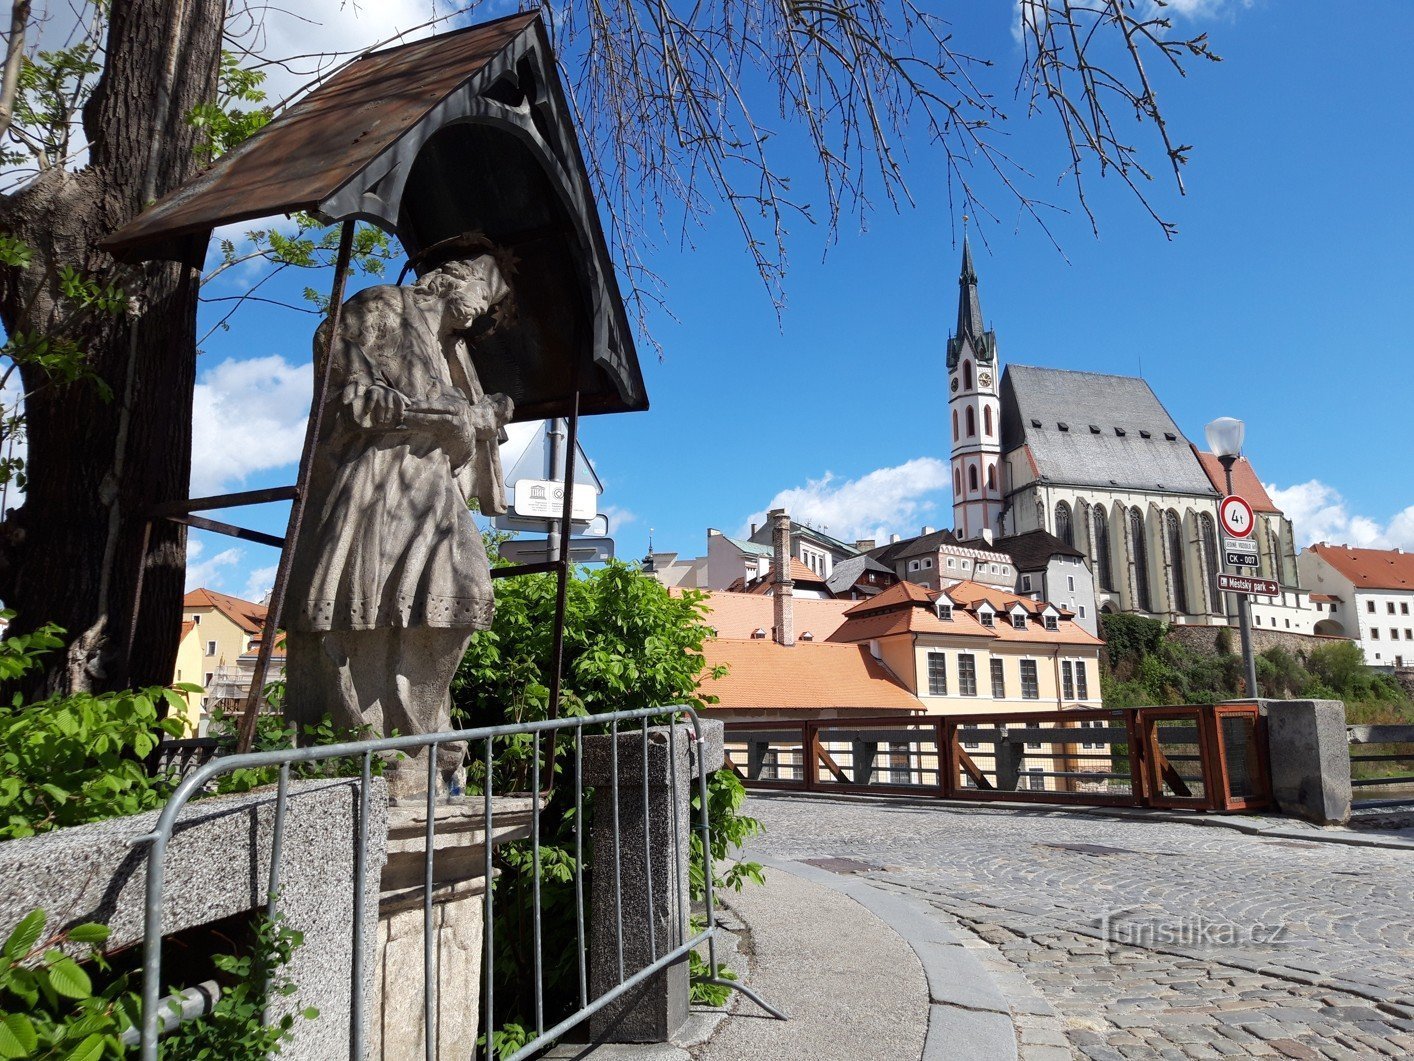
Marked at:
<point>1009,755</point>
<point>1310,759</point>
<point>862,755</point>
<point>652,870</point>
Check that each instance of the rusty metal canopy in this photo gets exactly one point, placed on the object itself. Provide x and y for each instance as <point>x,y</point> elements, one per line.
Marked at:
<point>466,132</point>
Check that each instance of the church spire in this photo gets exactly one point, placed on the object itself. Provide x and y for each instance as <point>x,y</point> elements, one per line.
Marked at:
<point>971,331</point>
<point>969,306</point>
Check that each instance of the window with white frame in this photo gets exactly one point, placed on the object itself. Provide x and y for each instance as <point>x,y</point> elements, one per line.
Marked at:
<point>1051,623</point>
<point>1030,684</point>
<point>211,648</point>
<point>985,618</point>
<point>952,562</point>
<point>1035,779</point>
<point>1092,745</point>
<point>967,674</point>
<point>937,674</point>
<point>1025,583</point>
<point>1018,621</point>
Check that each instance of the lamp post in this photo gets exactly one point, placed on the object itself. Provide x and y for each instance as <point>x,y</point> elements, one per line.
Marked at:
<point>1225,441</point>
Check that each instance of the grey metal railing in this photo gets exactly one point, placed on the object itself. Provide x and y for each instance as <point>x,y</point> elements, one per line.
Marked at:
<point>363,752</point>
<point>1397,750</point>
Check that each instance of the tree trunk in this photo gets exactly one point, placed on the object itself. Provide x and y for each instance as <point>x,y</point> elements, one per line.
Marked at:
<point>72,553</point>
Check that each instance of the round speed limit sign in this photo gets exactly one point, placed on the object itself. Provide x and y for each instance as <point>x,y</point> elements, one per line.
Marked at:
<point>1236,516</point>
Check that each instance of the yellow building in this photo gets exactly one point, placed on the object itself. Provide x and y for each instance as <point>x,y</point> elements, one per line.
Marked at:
<point>219,636</point>
<point>972,648</point>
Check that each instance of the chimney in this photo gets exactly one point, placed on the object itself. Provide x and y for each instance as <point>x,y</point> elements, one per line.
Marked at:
<point>784,631</point>
<point>753,530</point>
<point>927,529</point>
<point>986,535</point>
<point>893,539</point>
<point>865,544</point>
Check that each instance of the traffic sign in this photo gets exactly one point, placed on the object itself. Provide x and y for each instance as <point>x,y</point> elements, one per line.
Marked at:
<point>1240,559</point>
<point>1263,587</point>
<point>1240,545</point>
<point>536,550</point>
<point>1235,514</point>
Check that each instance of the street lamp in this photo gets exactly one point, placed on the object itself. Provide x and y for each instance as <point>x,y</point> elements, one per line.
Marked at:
<point>1225,440</point>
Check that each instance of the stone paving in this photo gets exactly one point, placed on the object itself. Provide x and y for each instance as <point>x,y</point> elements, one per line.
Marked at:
<point>1128,938</point>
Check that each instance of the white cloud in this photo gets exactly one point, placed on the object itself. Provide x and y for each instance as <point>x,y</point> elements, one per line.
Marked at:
<point>247,416</point>
<point>209,573</point>
<point>1320,514</point>
<point>618,517</point>
<point>260,583</point>
<point>883,501</point>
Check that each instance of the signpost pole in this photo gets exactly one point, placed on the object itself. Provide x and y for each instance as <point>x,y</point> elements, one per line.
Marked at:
<point>1244,612</point>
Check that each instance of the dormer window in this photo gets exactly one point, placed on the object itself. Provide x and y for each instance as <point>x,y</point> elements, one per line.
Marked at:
<point>1145,434</point>
<point>945,612</point>
<point>985,618</point>
<point>1119,432</point>
<point>1018,621</point>
<point>758,634</point>
<point>1051,623</point>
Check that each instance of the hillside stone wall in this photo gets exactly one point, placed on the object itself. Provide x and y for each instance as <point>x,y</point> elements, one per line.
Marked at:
<point>1204,639</point>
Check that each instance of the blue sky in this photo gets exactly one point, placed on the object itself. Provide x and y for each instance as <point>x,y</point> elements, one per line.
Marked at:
<point>1285,299</point>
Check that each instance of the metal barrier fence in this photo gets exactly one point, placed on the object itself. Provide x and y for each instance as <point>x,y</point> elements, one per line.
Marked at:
<point>615,725</point>
<point>1202,757</point>
<point>1391,746</point>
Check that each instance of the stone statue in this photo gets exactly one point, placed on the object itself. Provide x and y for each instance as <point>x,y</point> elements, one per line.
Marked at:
<point>389,576</point>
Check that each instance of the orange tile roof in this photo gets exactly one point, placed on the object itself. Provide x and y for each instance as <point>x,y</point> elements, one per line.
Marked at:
<point>798,573</point>
<point>971,594</point>
<point>737,615</point>
<point>1370,568</point>
<point>248,615</point>
<point>896,596</point>
<point>1244,481</point>
<point>187,627</point>
<point>808,676</point>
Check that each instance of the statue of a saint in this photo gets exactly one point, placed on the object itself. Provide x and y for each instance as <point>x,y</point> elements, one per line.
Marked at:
<point>389,576</point>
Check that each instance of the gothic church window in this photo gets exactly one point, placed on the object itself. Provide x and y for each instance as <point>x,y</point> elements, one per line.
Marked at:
<point>1064,531</point>
<point>991,477</point>
<point>1278,561</point>
<point>971,422</point>
<point>967,375</point>
<point>1139,552</point>
<point>972,475</point>
<point>1101,556</point>
<point>987,420</point>
<point>1174,527</point>
<point>957,480</point>
<point>1210,560</point>
<point>954,425</point>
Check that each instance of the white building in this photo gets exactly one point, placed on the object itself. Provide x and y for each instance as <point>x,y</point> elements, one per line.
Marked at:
<point>1366,595</point>
<point>1096,461</point>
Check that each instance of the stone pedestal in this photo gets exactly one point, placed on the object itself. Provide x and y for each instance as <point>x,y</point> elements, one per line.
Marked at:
<point>399,995</point>
<point>1309,754</point>
<point>652,873</point>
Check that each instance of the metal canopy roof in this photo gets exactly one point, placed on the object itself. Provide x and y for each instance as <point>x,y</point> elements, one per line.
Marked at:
<point>466,132</point>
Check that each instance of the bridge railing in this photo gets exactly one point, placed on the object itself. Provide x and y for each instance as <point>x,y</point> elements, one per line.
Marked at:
<point>1381,760</point>
<point>1200,757</point>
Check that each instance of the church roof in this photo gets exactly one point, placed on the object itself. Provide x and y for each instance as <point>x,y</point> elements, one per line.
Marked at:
<point>1090,429</point>
<point>1244,481</point>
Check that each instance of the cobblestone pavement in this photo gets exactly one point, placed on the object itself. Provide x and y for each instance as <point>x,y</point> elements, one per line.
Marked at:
<point>1126,938</point>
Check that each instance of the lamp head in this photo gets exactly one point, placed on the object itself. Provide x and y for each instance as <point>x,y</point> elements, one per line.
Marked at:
<point>1225,436</point>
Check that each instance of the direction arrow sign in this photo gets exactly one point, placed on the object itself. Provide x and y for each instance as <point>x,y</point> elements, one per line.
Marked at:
<point>1240,559</point>
<point>1235,514</point>
<point>1264,587</point>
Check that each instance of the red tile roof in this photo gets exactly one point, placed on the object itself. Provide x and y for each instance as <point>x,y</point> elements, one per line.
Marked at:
<point>187,627</point>
<point>248,615</point>
<point>737,615</point>
<point>912,611</point>
<point>1370,568</point>
<point>807,676</point>
<point>1244,481</point>
<point>896,596</point>
<point>799,574</point>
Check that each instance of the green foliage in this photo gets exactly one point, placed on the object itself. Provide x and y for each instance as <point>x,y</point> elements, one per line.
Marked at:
<point>272,733</point>
<point>225,124</point>
<point>49,1008</point>
<point>77,758</point>
<point>53,88</point>
<point>48,1005</point>
<point>235,1029</point>
<point>629,644</point>
<point>1129,638</point>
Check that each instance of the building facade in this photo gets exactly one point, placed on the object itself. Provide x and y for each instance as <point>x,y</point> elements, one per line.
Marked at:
<point>1366,595</point>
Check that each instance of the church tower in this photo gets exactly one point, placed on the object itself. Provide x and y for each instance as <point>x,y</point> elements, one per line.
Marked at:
<point>975,413</point>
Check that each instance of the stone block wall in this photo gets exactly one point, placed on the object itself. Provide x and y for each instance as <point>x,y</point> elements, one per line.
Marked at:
<point>1204,639</point>
<point>217,866</point>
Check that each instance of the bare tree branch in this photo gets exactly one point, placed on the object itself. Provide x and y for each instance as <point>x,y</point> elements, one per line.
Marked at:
<point>14,58</point>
